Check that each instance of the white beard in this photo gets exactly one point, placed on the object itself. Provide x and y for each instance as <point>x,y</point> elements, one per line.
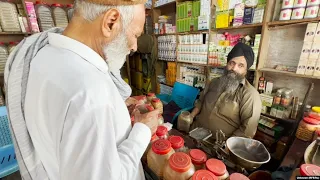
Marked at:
<point>116,52</point>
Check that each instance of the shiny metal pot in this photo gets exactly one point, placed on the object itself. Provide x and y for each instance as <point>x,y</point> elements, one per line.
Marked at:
<point>247,153</point>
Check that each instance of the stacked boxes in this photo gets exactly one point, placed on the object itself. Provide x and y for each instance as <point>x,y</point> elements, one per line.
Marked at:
<point>255,48</point>
<point>309,63</point>
<point>187,16</point>
<point>192,75</point>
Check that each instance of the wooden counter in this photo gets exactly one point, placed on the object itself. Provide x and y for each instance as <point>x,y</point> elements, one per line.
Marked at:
<point>295,155</point>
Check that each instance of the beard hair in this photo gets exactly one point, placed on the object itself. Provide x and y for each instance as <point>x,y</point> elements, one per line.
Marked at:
<point>230,81</point>
<point>116,52</point>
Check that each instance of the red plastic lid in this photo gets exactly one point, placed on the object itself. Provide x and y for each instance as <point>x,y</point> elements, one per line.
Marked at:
<point>155,100</point>
<point>151,94</point>
<point>154,137</point>
<point>161,131</point>
<point>216,166</point>
<point>309,170</point>
<point>13,43</point>
<point>70,5</point>
<point>161,146</point>
<point>177,142</point>
<point>180,162</point>
<point>204,175</point>
<point>315,116</point>
<point>150,108</point>
<point>311,121</point>
<point>57,5</point>
<point>238,176</point>
<point>197,156</point>
<point>1,43</point>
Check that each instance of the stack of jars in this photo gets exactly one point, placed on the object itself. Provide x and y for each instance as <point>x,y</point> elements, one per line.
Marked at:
<point>9,17</point>
<point>70,11</point>
<point>59,15</point>
<point>177,143</point>
<point>44,16</point>
<point>309,125</point>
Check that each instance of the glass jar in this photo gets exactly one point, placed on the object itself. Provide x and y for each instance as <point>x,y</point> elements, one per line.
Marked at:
<point>157,104</point>
<point>238,176</point>
<point>307,128</point>
<point>286,99</point>
<point>151,96</point>
<point>179,167</point>
<point>11,46</point>
<point>59,16</point>
<point>309,170</point>
<point>9,17</point>
<point>184,121</point>
<point>153,139</point>
<point>70,11</point>
<point>203,175</point>
<point>3,56</point>
<point>218,168</point>
<point>177,143</point>
<point>198,158</point>
<point>307,110</point>
<point>162,132</point>
<point>44,16</point>
<point>158,156</point>
<point>160,119</point>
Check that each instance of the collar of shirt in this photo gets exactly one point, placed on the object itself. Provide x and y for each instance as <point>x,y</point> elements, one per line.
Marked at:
<point>77,47</point>
<point>243,82</point>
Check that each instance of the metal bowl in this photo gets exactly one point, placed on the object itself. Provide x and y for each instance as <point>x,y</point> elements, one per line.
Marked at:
<point>247,153</point>
<point>308,154</point>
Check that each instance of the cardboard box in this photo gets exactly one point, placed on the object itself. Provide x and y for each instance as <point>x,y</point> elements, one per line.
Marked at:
<point>315,50</point>
<point>203,22</point>
<point>317,33</point>
<point>238,14</point>
<point>310,32</point>
<point>311,67</point>
<point>248,15</point>
<point>317,69</point>
<point>306,49</point>
<point>302,66</point>
<point>266,100</point>
<point>258,14</point>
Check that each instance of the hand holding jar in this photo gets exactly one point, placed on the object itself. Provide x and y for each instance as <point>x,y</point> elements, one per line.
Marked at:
<point>150,119</point>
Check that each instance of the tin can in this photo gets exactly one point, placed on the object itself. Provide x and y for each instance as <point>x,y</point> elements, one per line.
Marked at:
<point>313,2</point>
<point>300,3</point>
<point>297,13</point>
<point>285,14</point>
<point>311,11</point>
<point>287,4</point>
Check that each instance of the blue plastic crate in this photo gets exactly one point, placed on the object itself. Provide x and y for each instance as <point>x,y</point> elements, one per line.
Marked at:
<point>8,162</point>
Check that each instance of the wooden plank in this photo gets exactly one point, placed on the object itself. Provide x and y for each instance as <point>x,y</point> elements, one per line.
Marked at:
<point>295,154</point>
<point>258,25</point>
<point>288,22</point>
<point>167,5</point>
<point>287,73</point>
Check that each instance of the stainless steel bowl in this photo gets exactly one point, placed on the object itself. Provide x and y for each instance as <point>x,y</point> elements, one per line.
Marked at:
<point>247,153</point>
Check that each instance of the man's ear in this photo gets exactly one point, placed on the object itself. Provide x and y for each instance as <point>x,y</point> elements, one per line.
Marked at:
<point>111,23</point>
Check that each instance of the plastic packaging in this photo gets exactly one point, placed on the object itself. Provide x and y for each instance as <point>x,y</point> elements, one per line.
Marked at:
<point>287,4</point>
<point>198,158</point>
<point>307,128</point>
<point>9,17</point>
<point>313,2</point>
<point>238,176</point>
<point>285,14</point>
<point>179,167</point>
<point>218,168</point>
<point>158,156</point>
<point>203,175</point>
<point>3,56</point>
<point>311,12</point>
<point>157,104</point>
<point>162,132</point>
<point>70,11</point>
<point>297,13</point>
<point>44,16</point>
<point>184,121</point>
<point>59,15</point>
<point>177,143</point>
<point>300,3</point>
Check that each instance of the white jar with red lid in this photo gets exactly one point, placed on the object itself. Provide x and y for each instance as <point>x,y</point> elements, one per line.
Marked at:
<point>300,3</point>
<point>203,175</point>
<point>287,4</point>
<point>309,170</point>
<point>198,158</point>
<point>177,143</point>
<point>59,15</point>
<point>151,96</point>
<point>285,14</point>
<point>159,155</point>
<point>160,120</point>
<point>179,167</point>
<point>298,13</point>
<point>238,176</point>
<point>313,2</point>
<point>162,132</point>
<point>311,12</point>
<point>218,168</point>
<point>157,104</point>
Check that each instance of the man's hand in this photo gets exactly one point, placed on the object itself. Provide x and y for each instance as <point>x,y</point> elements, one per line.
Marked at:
<point>150,119</point>
<point>131,101</point>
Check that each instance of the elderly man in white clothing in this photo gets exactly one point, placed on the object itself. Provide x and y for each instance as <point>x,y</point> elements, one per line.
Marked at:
<point>66,98</point>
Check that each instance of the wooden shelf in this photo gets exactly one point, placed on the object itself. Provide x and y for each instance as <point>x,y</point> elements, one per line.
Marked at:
<point>165,34</point>
<point>14,33</point>
<point>258,25</point>
<point>165,60</point>
<point>287,73</point>
<point>289,120</point>
<point>193,32</point>
<point>165,5</point>
<point>195,64</point>
<point>290,22</point>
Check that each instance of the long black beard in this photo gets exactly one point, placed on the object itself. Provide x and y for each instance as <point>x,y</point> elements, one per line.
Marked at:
<point>230,81</point>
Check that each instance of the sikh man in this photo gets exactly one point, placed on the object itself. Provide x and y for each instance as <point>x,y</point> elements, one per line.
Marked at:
<point>66,99</point>
<point>230,103</point>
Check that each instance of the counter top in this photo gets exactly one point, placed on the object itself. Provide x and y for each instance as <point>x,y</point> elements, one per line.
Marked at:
<point>295,155</point>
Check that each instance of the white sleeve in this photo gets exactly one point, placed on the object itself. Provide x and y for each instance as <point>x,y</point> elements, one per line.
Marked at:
<point>89,151</point>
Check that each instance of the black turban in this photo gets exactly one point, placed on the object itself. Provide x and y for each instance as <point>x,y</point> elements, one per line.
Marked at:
<point>242,49</point>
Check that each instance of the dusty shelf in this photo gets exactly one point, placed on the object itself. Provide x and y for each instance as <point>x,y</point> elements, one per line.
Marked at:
<point>292,74</point>
<point>290,22</point>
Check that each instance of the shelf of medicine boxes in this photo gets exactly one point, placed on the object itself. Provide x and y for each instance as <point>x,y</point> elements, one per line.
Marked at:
<point>257,25</point>
<point>292,22</point>
<point>288,73</point>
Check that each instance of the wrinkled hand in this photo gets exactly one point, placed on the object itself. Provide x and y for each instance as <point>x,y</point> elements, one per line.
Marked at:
<point>150,119</point>
<point>131,101</point>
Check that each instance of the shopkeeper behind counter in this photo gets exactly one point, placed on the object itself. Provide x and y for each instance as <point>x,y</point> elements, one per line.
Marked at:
<point>230,103</point>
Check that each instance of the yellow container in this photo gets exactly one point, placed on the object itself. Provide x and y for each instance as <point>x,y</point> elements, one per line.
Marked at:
<point>138,65</point>
<point>139,80</point>
<point>147,84</point>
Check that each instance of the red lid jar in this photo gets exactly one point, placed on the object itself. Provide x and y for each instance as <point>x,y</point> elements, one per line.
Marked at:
<point>218,168</point>
<point>204,175</point>
<point>180,167</point>
<point>238,176</point>
<point>198,157</point>
<point>57,5</point>
<point>161,146</point>
<point>309,170</point>
<point>177,143</point>
<point>162,132</point>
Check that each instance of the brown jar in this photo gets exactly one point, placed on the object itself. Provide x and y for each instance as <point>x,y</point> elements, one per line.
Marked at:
<point>151,96</point>
<point>218,168</point>
<point>179,167</point>
<point>162,132</point>
<point>157,104</point>
<point>198,158</point>
<point>203,174</point>
<point>177,143</point>
<point>307,128</point>
<point>158,156</point>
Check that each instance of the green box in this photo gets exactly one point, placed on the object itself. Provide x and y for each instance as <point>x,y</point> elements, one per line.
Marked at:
<point>194,24</point>
<point>179,25</point>
<point>189,8</point>
<point>196,8</point>
<point>187,25</point>
<point>184,10</point>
